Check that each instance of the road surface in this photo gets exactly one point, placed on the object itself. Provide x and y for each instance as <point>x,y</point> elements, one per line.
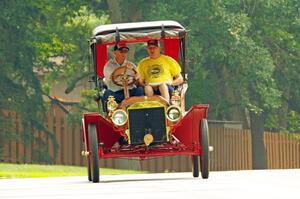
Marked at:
<point>255,184</point>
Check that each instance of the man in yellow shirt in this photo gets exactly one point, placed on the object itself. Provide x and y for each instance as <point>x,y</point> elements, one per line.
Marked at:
<point>159,73</point>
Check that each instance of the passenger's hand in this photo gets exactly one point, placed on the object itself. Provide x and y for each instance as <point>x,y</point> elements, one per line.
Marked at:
<point>137,76</point>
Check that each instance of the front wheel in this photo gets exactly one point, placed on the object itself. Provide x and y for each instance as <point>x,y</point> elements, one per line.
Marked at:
<point>195,163</point>
<point>89,171</point>
<point>204,158</point>
<point>93,165</point>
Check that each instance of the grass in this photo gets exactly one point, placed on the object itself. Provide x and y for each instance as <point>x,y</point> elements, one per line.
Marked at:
<point>38,171</point>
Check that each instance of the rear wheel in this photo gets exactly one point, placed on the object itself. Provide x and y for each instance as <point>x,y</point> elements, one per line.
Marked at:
<point>195,162</point>
<point>204,158</point>
<point>93,165</point>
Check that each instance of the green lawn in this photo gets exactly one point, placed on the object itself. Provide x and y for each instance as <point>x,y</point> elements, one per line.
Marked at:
<point>37,171</point>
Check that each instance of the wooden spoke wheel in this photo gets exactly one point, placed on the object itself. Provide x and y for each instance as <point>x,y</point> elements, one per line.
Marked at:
<point>93,162</point>
<point>204,158</point>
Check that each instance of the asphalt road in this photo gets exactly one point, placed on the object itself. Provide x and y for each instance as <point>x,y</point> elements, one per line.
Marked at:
<point>259,184</point>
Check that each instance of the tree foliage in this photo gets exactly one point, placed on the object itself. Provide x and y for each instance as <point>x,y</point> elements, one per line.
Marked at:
<point>20,86</point>
<point>33,33</point>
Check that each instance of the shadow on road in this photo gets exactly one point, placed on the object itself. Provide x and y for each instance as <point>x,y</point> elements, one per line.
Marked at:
<point>145,180</point>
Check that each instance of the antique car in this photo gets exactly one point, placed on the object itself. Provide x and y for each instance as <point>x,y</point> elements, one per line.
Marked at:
<point>151,126</point>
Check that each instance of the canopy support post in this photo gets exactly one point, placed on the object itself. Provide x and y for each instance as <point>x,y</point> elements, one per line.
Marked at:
<point>183,53</point>
<point>163,33</point>
<point>117,38</point>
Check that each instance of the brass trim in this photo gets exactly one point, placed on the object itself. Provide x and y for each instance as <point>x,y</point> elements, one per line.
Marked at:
<point>131,100</point>
<point>148,139</point>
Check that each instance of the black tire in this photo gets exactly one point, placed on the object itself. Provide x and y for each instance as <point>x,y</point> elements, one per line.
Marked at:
<point>195,162</point>
<point>204,158</point>
<point>93,153</point>
<point>89,170</point>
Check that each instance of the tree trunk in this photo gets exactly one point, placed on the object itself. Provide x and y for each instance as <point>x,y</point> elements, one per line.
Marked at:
<point>115,11</point>
<point>1,146</point>
<point>258,147</point>
<point>116,17</point>
<point>237,113</point>
<point>284,109</point>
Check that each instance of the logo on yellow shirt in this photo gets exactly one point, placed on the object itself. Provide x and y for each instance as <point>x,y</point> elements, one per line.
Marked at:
<point>155,71</point>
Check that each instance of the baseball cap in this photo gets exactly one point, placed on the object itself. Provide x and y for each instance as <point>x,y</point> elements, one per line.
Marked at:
<point>121,47</point>
<point>153,43</point>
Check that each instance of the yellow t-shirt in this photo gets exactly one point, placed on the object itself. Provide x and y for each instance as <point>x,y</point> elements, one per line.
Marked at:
<point>160,70</point>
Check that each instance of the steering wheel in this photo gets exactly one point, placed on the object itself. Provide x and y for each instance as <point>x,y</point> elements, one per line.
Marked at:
<point>123,75</point>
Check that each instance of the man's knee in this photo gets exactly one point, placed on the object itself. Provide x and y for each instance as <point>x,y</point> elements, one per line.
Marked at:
<point>166,88</point>
<point>163,87</point>
<point>148,90</point>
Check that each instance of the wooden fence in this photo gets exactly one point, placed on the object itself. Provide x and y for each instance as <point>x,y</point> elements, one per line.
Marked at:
<point>282,152</point>
<point>232,149</point>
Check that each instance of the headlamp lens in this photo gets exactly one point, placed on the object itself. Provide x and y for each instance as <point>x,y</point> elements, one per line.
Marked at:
<point>173,113</point>
<point>119,117</point>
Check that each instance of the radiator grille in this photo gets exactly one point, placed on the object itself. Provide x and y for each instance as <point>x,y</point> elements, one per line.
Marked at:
<point>142,121</point>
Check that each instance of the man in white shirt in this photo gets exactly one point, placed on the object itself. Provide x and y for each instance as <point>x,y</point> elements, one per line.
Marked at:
<point>119,60</point>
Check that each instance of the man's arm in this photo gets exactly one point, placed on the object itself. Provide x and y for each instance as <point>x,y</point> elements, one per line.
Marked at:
<point>137,75</point>
<point>141,82</point>
<point>177,80</point>
<point>175,71</point>
<point>107,72</point>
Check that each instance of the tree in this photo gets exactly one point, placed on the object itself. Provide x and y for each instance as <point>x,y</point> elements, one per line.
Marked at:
<point>40,30</point>
<point>20,87</point>
<point>275,27</point>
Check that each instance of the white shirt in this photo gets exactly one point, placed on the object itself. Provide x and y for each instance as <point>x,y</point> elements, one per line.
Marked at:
<point>109,67</point>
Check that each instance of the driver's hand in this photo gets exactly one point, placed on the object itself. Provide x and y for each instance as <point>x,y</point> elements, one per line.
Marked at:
<point>129,66</point>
